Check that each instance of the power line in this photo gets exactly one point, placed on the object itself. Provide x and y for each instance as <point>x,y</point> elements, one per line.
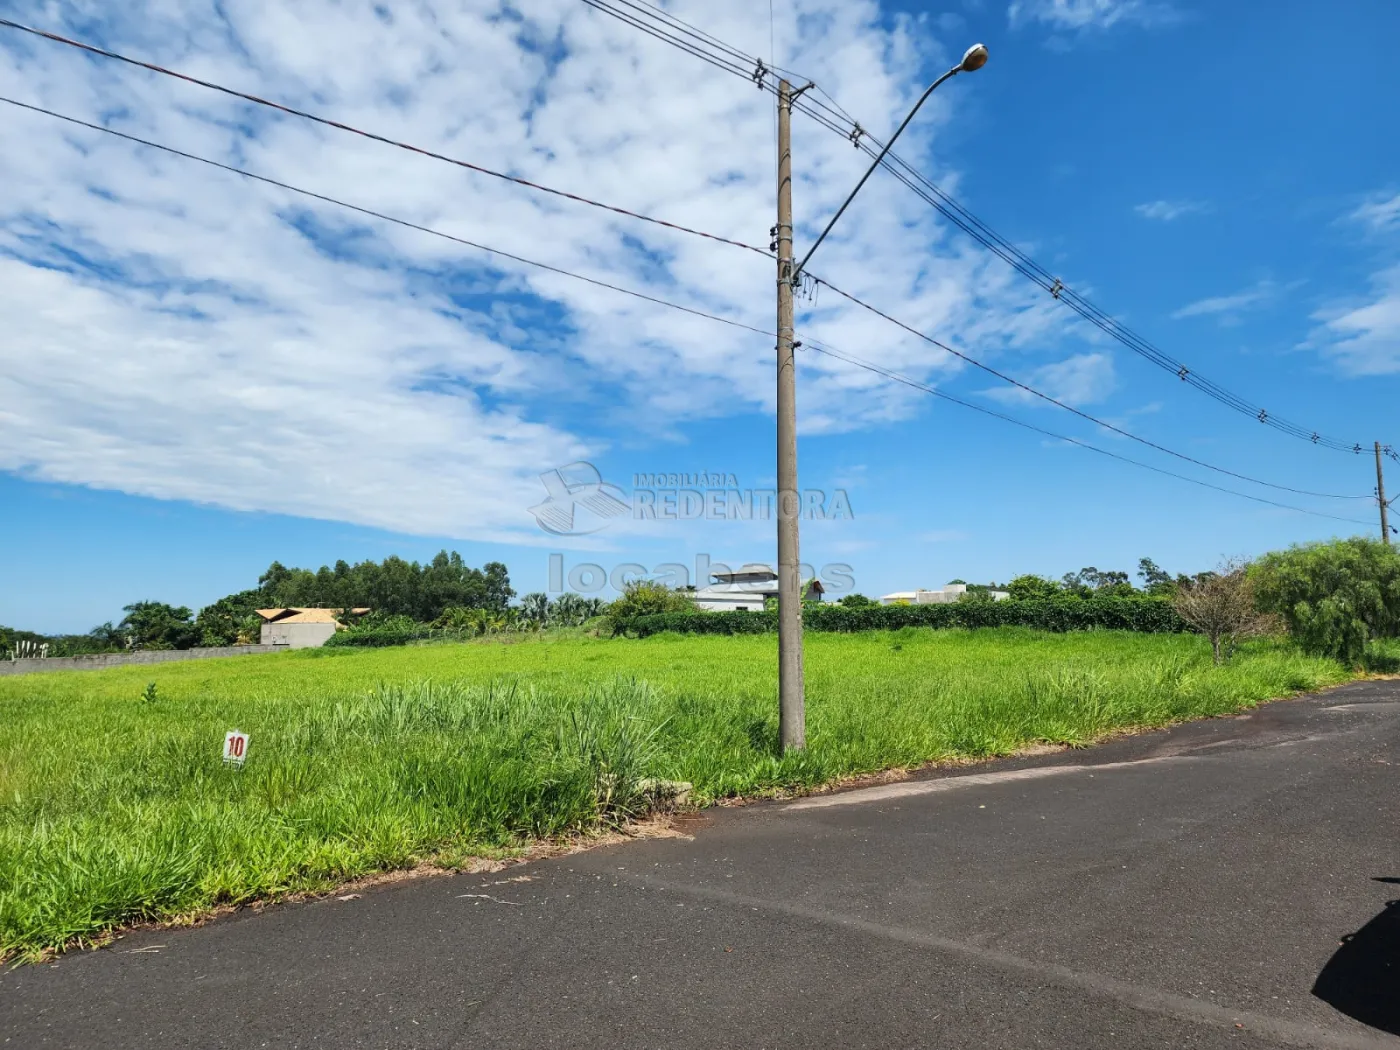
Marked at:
<point>1028,267</point>
<point>829,351</point>
<point>661,32</point>
<point>383,217</point>
<point>1067,407</point>
<point>914,383</point>
<point>677,23</point>
<point>292,111</point>
<point>839,121</point>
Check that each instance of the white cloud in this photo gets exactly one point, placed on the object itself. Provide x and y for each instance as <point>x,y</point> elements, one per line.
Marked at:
<point>1090,14</point>
<point>1379,214</point>
<point>1363,337</point>
<point>1079,380</point>
<point>1226,305</point>
<point>176,332</point>
<point>1166,211</point>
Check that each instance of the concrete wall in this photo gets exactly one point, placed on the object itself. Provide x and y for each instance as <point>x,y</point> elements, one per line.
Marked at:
<point>297,635</point>
<point>153,656</point>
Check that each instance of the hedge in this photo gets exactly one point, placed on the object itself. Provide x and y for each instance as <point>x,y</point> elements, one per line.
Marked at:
<point>1145,614</point>
<point>376,639</point>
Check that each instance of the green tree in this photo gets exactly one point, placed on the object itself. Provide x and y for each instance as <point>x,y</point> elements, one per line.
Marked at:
<point>1154,580</point>
<point>232,620</point>
<point>155,625</point>
<point>534,607</point>
<point>645,597</point>
<point>394,586</point>
<point>856,601</point>
<point>1334,596</point>
<point>1091,580</point>
<point>496,579</point>
<point>1030,586</point>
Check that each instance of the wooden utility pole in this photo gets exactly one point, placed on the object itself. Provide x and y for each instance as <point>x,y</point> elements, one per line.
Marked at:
<point>792,715</point>
<point>1380,497</point>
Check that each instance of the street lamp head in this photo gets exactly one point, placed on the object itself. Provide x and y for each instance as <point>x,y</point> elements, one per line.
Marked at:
<point>975,58</point>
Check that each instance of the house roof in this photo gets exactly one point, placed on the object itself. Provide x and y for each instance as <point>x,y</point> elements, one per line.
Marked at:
<point>756,589</point>
<point>312,616</point>
<point>295,615</point>
<point>748,574</point>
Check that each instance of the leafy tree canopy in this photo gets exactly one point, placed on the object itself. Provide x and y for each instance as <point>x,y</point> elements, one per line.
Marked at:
<point>1335,597</point>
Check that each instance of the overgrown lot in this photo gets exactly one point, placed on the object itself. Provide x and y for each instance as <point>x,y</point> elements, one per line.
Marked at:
<point>115,805</point>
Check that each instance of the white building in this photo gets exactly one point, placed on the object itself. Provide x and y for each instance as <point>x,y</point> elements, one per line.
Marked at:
<point>746,590</point>
<point>951,593</point>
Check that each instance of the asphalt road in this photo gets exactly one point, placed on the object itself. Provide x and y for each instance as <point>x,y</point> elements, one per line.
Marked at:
<point>1222,884</point>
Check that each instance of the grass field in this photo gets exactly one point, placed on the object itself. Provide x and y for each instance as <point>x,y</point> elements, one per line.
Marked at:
<point>116,808</point>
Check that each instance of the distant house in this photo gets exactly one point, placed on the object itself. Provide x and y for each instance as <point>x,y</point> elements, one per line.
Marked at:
<point>301,628</point>
<point>746,590</point>
<point>951,593</point>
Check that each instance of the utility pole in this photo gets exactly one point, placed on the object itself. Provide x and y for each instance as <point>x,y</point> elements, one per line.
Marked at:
<point>1380,497</point>
<point>792,713</point>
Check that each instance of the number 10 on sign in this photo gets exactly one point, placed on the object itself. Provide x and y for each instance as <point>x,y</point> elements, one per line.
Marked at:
<point>235,746</point>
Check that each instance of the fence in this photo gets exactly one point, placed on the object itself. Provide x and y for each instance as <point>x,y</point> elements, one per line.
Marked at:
<point>98,661</point>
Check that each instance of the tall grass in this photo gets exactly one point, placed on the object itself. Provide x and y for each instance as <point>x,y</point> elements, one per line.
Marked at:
<point>115,807</point>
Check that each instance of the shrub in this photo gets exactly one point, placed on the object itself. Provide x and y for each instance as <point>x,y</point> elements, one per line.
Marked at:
<point>648,598</point>
<point>1032,587</point>
<point>1140,613</point>
<point>1335,596</point>
<point>856,601</point>
<point>376,638</point>
<point>1221,605</point>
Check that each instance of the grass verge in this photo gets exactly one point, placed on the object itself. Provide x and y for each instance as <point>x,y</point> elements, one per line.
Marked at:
<point>115,808</point>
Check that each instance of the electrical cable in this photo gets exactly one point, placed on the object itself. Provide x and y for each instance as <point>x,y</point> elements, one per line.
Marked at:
<point>914,383</point>
<point>666,17</point>
<point>1067,407</point>
<point>677,306</point>
<point>383,217</point>
<point>292,111</point>
<point>1024,264</point>
<point>839,121</point>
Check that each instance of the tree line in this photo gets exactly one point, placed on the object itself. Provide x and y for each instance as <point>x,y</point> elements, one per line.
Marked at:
<point>392,588</point>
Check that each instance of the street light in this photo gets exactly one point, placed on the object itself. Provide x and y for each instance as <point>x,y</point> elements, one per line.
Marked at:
<point>974,58</point>
<point>792,706</point>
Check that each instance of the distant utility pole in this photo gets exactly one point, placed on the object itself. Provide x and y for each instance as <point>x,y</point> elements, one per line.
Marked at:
<point>1380,497</point>
<point>792,713</point>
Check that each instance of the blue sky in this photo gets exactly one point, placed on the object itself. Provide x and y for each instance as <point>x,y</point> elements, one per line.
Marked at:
<point>199,375</point>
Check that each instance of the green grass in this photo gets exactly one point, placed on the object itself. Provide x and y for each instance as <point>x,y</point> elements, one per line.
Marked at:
<point>115,806</point>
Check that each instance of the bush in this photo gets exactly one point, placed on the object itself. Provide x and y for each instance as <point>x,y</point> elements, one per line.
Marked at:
<point>1141,613</point>
<point>648,598</point>
<point>1335,596</point>
<point>1222,606</point>
<point>376,638</point>
<point>1031,587</point>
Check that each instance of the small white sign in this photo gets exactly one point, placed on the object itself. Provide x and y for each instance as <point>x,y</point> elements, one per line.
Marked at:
<point>236,746</point>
